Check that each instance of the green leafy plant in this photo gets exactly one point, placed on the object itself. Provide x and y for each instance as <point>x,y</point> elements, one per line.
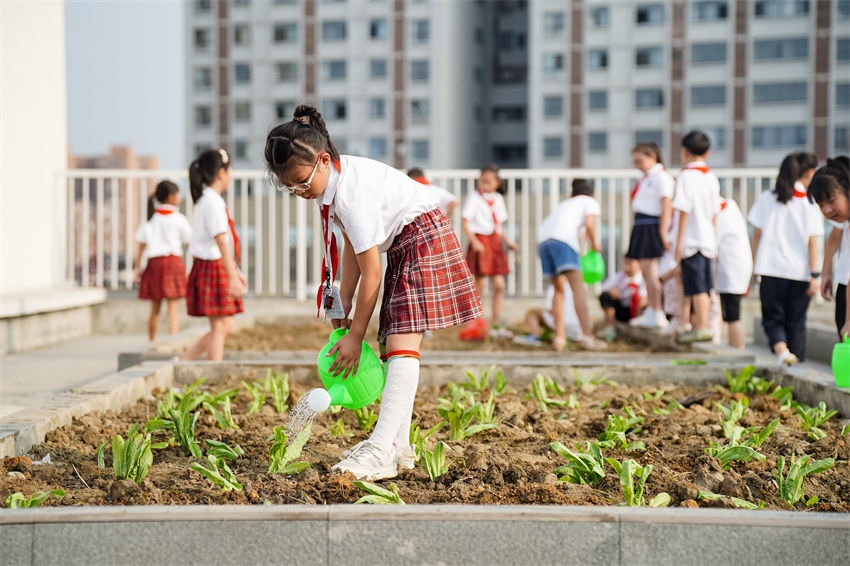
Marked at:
<point>732,453</point>
<point>18,501</point>
<point>594,378</point>
<point>814,416</point>
<point>688,362</point>
<point>845,431</point>
<point>785,395</point>
<point>735,411</point>
<point>633,492</point>
<point>218,472</point>
<point>417,438</point>
<point>791,486</point>
<point>737,502</point>
<point>434,461</point>
<point>223,450</point>
<point>377,495</point>
<point>542,386</point>
<point>131,459</point>
<point>461,418</point>
<point>277,384</point>
<point>582,467</point>
<point>619,427</point>
<point>282,457</point>
<point>652,395</point>
<point>258,396</point>
<point>338,429</point>
<point>479,382</point>
<point>486,411</point>
<point>741,382</point>
<point>181,427</point>
<point>672,405</point>
<point>189,400</point>
<point>224,416</point>
<point>761,386</point>
<point>366,418</point>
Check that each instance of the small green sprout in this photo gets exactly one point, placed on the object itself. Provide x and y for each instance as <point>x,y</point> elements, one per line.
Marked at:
<point>366,418</point>
<point>732,453</point>
<point>737,502</point>
<point>814,416</point>
<point>378,495</point>
<point>18,501</point>
<point>618,428</point>
<point>434,461</point>
<point>791,486</point>
<point>486,411</point>
<point>845,431</point>
<point>542,386</point>
<point>131,459</point>
<point>338,429</point>
<point>582,467</point>
<point>282,457</point>
<point>258,397</point>
<point>652,395</point>
<point>223,417</point>
<point>671,406</point>
<point>785,395</point>
<point>218,472</point>
<point>460,421</point>
<point>735,411</point>
<point>223,450</point>
<point>603,404</point>
<point>278,386</point>
<point>482,381</point>
<point>181,427</point>
<point>187,401</point>
<point>417,439</point>
<point>688,362</point>
<point>593,378</point>
<point>633,492</point>
<point>741,382</point>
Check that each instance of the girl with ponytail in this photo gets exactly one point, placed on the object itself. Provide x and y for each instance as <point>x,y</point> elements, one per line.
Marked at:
<point>427,285</point>
<point>216,284</point>
<point>786,227</point>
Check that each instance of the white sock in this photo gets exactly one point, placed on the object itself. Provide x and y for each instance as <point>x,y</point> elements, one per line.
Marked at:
<point>397,403</point>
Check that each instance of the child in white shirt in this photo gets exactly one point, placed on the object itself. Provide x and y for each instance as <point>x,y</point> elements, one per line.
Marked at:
<point>448,202</point>
<point>624,294</point>
<point>541,320</point>
<point>734,268</point>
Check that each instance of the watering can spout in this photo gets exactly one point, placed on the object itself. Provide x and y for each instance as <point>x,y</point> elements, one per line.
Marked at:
<point>340,395</point>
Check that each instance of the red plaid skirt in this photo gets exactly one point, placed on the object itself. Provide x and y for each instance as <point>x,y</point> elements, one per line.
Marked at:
<point>164,278</point>
<point>492,261</point>
<point>209,290</point>
<point>427,285</point>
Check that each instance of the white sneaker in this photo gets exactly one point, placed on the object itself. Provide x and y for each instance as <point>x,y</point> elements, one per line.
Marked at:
<point>661,320</point>
<point>527,340</point>
<point>642,319</point>
<point>592,343</point>
<point>786,358</point>
<point>405,457</point>
<point>367,461</point>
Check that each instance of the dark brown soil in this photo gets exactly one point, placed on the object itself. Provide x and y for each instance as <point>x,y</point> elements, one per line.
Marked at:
<point>511,464</point>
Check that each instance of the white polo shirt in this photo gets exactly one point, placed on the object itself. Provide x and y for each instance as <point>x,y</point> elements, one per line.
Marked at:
<point>164,234</point>
<point>624,284</point>
<point>208,221</point>
<point>446,198</point>
<point>698,195</point>
<point>785,230</point>
<point>374,202</point>
<point>478,213</point>
<point>734,256</point>
<point>565,222</point>
<point>842,266</point>
<point>655,185</point>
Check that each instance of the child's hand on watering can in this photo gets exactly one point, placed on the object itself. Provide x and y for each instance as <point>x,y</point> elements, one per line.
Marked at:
<point>347,350</point>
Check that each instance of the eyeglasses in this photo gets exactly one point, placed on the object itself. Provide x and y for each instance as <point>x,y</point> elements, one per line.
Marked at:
<point>301,187</point>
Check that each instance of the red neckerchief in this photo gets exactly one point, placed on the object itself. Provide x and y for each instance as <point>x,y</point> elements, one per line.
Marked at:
<point>700,168</point>
<point>799,194</point>
<point>422,180</point>
<point>163,211</point>
<point>723,203</point>
<point>496,227</point>
<point>325,212</point>
<point>633,311</point>
<point>236,251</point>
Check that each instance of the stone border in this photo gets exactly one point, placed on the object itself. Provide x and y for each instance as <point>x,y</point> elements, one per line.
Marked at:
<point>428,534</point>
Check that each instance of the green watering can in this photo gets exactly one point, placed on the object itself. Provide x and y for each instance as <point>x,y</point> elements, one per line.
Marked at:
<point>841,362</point>
<point>355,391</point>
<point>592,267</point>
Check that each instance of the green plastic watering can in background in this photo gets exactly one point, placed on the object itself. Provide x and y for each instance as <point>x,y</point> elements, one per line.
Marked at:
<point>841,362</point>
<point>592,267</point>
<point>355,391</point>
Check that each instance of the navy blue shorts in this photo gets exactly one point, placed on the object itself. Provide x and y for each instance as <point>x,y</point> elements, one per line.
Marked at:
<point>557,257</point>
<point>696,275</point>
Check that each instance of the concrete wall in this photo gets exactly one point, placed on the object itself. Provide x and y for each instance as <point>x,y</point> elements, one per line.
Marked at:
<point>33,145</point>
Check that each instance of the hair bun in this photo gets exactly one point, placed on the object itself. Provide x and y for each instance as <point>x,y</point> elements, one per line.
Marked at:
<point>280,150</point>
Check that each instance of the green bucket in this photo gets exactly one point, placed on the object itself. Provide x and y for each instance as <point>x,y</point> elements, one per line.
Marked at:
<point>592,267</point>
<point>841,362</point>
<point>358,390</point>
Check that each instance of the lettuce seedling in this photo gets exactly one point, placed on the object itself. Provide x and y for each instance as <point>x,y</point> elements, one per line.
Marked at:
<point>378,495</point>
<point>671,406</point>
<point>617,430</point>
<point>434,461</point>
<point>741,382</point>
<point>181,426</point>
<point>814,416</point>
<point>633,492</point>
<point>486,411</point>
<point>18,501</point>
<point>223,417</point>
<point>417,439</point>
<point>460,421</point>
<point>785,395</point>
<point>845,430</point>
<point>541,387</point>
<point>131,459</point>
<point>258,397</point>
<point>737,502</point>
<point>366,418</point>
<point>278,386</point>
<point>791,486</point>
<point>338,429</point>
<point>728,454</point>
<point>480,382</point>
<point>222,450</point>
<point>652,395</point>
<point>218,472</point>
<point>581,467</point>
<point>282,457</point>
<point>735,411</point>
<point>189,400</point>
<point>594,378</point>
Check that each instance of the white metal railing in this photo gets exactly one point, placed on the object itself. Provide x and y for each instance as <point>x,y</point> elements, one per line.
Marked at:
<point>281,235</point>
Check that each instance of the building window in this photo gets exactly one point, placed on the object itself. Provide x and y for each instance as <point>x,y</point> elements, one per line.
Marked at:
<point>377,68</point>
<point>242,73</point>
<point>765,137</point>
<point>649,57</point>
<point>333,70</point>
<point>600,17</point>
<point>842,94</point>
<point>510,153</point>
<point>714,95</point>
<point>241,34</point>
<point>553,64</point>
<point>334,109</point>
<point>202,6</point>
<point>654,136</point>
<point>419,70</point>
<point>241,3</point>
<point>334,30</point>
<point>242,111</point>
<point>420,111</point>
<point>553,106</point>
<point>649,98</point>
<point>203,116</point>
<point>842,143</point>
<point>553,23</point>
<point>285,72</point>
<point>510,40</point>
<point>508,113</point>
<point>772,49</point>
<point>781,8</point>
<point>202,78</point>
<point>717,136</point>
<point>779,92</point>
<point>708,53</point>
<point>597,59</point>
<point>378,29</point>
<point>419,150</point>
<point>284,109</point>
<point>649,14</point>
<point>553,148</point>
<point>420,31</point>
<point>203,38</point>
<point>286,32</point>
<point>597,100</point>
<point>240,149</point>
<point>709,11</point>
<point>377,108</point>
<point>843,8</point>
<point>842,50</point>
<point>377,148</point>
<point>597,141</point>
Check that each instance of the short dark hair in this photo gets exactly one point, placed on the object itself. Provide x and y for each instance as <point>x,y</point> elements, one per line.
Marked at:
<point>582,187</point>
<point>650,149</point>
<point>832,177</point>
<point>415,172</point>
<point>696,142</point>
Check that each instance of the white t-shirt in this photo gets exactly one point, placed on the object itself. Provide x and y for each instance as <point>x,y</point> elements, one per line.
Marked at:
<point>374,202</point>
<point>656,184</point>
<point>446,198</point>
<point>625,285</point>
<point>164,234</point>
<point>208,221</point>
<point>479,213</point>
<point>567,219</point>
<point>571,323</point>
<point>698,195</point>
<point>668,262</point>
<point>734,256</point>
<point>785,230</point>
<point>842,266</point>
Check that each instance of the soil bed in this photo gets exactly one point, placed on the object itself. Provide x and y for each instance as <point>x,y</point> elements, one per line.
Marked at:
<point>511,464</point>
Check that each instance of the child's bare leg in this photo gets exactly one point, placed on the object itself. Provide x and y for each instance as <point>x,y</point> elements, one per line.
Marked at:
<point>580,302</point>
<point>533,319</point>
<point>649,268</point>
<point>173,306</point>
<point>780,347</point>
<point>498,282</point>
<point>153,319</point>
<point>610,316</point>
<point>222,327</point>
<point>198,347</point>
<point>737,339</point>
<point>702,303</point>
<point>558,283</point>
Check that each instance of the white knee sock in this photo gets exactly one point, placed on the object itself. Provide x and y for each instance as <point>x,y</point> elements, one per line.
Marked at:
<point>397,402</point>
